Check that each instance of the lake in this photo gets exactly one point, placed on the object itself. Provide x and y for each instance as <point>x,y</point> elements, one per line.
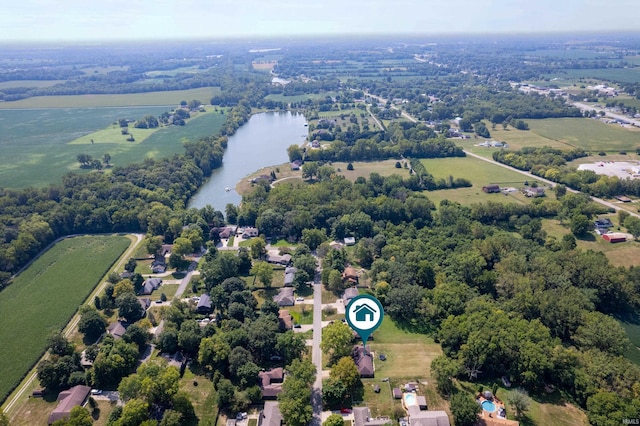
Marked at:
<point>261,142</point>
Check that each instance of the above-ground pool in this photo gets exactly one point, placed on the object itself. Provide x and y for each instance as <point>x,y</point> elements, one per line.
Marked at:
<point>410,399</point>
<point>488,406</point>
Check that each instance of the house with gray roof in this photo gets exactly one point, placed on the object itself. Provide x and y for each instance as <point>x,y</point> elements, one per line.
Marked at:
<point>204,304</point>
<point>285,297</point>
<point>150,284</point>
<point>363,360</point>
<point>74,397</point>
<point>362,417</point>
<point>418,417</point>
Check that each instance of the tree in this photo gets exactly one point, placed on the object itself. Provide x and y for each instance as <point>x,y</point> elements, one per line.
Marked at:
<point>91,324</point>
<point>59,345</point>
<point>520,401</point>
<point>137,335</point>
<point>225,393</point>
<point>580,224</point>
<point>122,287</point>
<point>336,340</point>
<point>444,369</point>
<point>257,246</point>
<point>128,307</point>
<point>294,152</point>
<point>189,337</point>
<point>291,346</point>
<point>153,244</point>
<point>313,237</point>
<point>295,402</point>
<point>632,224</point>
<point>464,409</point>
<point>309,170</point>
<point>78,416</point>
<point>131,264</point>
<point>334,420</point>
<point>334,393</point>
<point>231,212</point>
<point>134,413</point>
<point>264,272</point>
<point>350,166</point>
<point>600,331</point>
<point>106,158</point>
<point>346,371</point>
<point>182,246</point>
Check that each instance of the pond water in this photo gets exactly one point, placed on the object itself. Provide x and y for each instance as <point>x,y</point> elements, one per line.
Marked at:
<point>261,142</point>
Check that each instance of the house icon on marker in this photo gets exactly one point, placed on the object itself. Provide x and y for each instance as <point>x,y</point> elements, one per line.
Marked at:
<point>364,311</point>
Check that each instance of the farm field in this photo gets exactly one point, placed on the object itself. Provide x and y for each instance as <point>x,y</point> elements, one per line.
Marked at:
<point>627,75</point>
<point>170,97</point>
<point>480,173</point>
<point>588,134</point>
<point>28,83</point>
<point>364,169</point>
<point>36,148</point>
<point>45,296</point>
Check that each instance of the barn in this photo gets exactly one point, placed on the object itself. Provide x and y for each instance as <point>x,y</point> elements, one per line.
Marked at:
<point>615,237</point>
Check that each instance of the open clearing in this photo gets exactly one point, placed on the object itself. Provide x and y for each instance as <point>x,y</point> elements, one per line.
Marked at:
<point>479,173</point>
<point>36,149</point>
<point>170,97</point>
<point>45,296</point>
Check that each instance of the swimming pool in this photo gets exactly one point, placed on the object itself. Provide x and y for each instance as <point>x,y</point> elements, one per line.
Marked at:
<point>488,406</point>
<point>410,399</point>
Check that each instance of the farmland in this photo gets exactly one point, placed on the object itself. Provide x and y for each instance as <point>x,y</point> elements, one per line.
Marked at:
<point>170,97</point>
<point>36,148</point>
<point>43,298</point>
<point>480,173</point>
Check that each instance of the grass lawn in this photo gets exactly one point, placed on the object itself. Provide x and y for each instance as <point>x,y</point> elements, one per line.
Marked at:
<point>36,411</point>
<point>408,354</point>
<point>169,290</point>
<point>480,173</point>
<point>170,97</point>
<point>619,254</point>
<point>632,327</point>
<point>364,169</point>
<point>37,150</point>
<point>202,395</point>
<point>301,313</point>
<point>545,409</point>
<point>45,296</point>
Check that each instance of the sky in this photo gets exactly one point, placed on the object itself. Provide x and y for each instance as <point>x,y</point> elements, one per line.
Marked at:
<point>88,20</point>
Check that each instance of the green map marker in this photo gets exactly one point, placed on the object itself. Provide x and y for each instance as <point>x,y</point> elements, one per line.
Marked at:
<point>364,314</point>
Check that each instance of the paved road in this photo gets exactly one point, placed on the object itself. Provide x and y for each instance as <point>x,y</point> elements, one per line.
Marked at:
<point>608,113</point>
<point>550,183</point>
<point>316,353</point>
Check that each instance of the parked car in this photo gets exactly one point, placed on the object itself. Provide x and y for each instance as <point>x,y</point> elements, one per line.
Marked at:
<point>345,410</point>
<point>96,392</point>
<point>299,299</point>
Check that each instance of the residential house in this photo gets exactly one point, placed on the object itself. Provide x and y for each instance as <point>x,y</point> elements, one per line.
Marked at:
<point>315,143</point>
<point>159,266</point>
<point>125,275</point>
<point>533,192</point>
<point>491,189</point>
<point>279,259</point>
<point>250,232</point>
<point>117,329</point>
<point>363,360</point>
<point>362,417</point>
<point>285,297</point>
<point>603,222</point>
<point>397,393</point>
<point>204,306</point>
<point>74,397</point>
<point>295,165</point>
<point>150,284</point>
<point>285,320</point>
<point>418,417</point>
<point>622,197</point>
<point>289,275</point>
<point>349,241</point>
<point>263,178</point>
<point>271,382</point>
<point>349,294</point>
<point>350,275</point>
<point>145,302</point>
<point>270,415</point>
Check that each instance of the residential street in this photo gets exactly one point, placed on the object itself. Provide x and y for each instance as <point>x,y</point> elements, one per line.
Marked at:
<point>316,353</point>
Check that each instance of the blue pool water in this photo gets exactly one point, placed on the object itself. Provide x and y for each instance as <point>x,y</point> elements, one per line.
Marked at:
<point>488,406</point>
<point>410,399</point>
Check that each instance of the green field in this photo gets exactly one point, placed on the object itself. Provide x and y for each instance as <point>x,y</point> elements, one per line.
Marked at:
<point>170,97</point>
<point>44,297</point>
<point>28,83</point>
<point>36,143</point>
<point>592,135</point>
<point>300,98</point>
<point>626,75</point>
<point>480,173</point>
